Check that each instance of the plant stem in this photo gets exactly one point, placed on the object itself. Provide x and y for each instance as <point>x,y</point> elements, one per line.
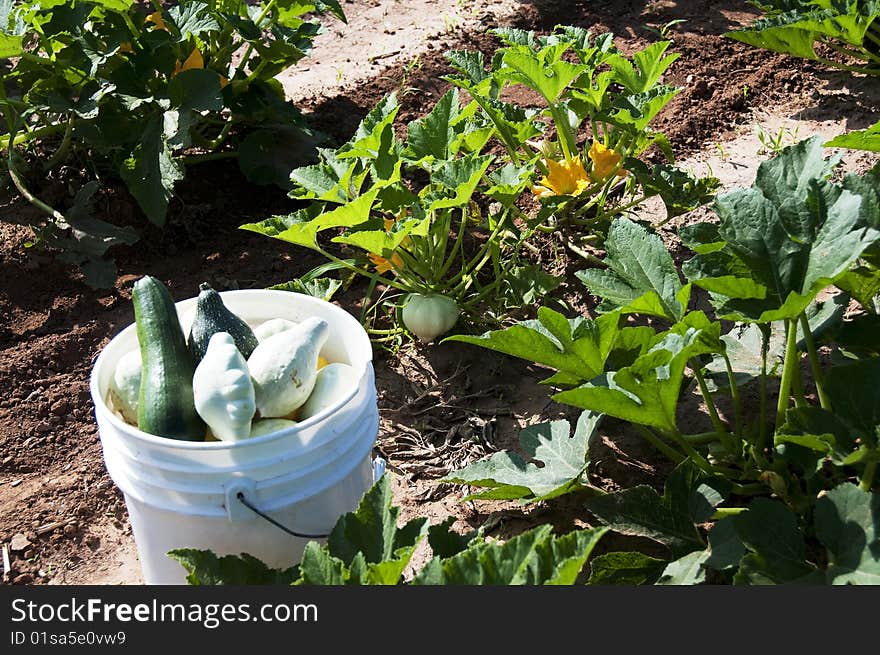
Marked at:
<point>61,152</point>
<point>203,157</point>
<point>815,365</point>
<point>659,444</point>
<point>582,253</point>
<point>31,198</point>
<point>751,489</point>
<point>734,394</point>
<point>788,371</point>
<point>723,512</point>
<point>707,397</point>
<point>250,49</point>
<point>701,438</point>
<point>864,55</point>
<point>566,139</point>
<point>762,431</point>
<point>691,452</point>
<point>37,133</point>
<point>867,479</point>
<point>845,67</point>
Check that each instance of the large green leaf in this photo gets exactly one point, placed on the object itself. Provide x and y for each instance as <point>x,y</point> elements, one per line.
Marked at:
<point>197,89</point>
<point>471,63</point>
<point>372,529</point>
<point>376,125</point>
<point>267,156</point>
<point>645,69</point>
<point>205,568</point>
<point>193,18</point>
<point>150,172</point>
<point>769,530</point>
<point>647,391</point>
<point>302,230</point>
<point>636,111</point>
<point>544,71</point>
<point>792,234</point>
<point>854,390</point>
<point>625,568</point>
<point>432,135</point>
<point>688,498</point>
<point>563,458</point>
<point>11,45</point>
<point>578,347</point>
<point>536,557</point>
<point>641,277</point>
<point>689,569</point>
<point>848,525</point>
<point>680,191</point>
<point>461,176</point>
<point>867,139</point>
<point>795,27</point>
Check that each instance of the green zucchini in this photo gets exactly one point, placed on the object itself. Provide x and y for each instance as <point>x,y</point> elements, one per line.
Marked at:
<point>212,316</point>
<point>165,405</point>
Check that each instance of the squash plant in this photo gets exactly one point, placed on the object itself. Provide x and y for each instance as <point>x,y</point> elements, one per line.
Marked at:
<point>430,216</point>
<point>129,92</point>
<point>775,248</point>
<point>439,214</point>
<point>796,27</point>
<point>368,547</point>
<point>592,128</point>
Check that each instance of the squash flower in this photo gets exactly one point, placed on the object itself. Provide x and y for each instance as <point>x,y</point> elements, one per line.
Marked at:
<point>156,19</point>
<point>194,60</point>
<point>605,160</point>
<point>383,265</point>
<point>564,178</point>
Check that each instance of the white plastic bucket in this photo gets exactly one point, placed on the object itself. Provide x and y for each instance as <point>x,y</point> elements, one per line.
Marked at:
<point>183,494</point>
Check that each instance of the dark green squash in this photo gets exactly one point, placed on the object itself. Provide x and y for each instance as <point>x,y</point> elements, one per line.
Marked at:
<point>212,316</point>
<point>165,404</point>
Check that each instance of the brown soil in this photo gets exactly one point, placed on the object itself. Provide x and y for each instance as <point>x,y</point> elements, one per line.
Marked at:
<point>441,406</point>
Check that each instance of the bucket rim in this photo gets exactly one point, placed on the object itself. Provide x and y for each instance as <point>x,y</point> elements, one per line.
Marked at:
<point>165,442</point>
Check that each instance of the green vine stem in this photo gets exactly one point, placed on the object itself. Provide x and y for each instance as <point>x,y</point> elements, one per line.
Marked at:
<point>788,372</point>
<point>762,431</point>
<point>724,512</point>
<point>670,452</point>
<point>867,479</point>
<point>27,137</point>
<point>815,365</point>
<point>734,395</point>
<point>202,157</point>
<point>31,198</point>
<point>707,398</point>
<point>61,152</point>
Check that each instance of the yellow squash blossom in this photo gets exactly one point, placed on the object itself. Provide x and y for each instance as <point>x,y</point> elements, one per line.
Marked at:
<point>156,19</point>
<point>605,160</point>
<point>125,47</point>
<point>193,61</point>
<point>383,265</point>
<point>564,178</point>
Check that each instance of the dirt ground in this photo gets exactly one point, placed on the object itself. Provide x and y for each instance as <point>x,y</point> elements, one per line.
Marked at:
<point>62,520</point>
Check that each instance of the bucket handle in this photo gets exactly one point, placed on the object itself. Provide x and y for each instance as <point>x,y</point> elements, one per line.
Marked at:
<point>241,486</point>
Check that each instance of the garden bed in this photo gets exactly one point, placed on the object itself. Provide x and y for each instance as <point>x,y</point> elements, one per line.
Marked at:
<point>441,406</point>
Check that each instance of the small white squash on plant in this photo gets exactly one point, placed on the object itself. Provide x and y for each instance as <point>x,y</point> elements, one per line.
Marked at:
<point>223,391</point>
<point>284,367</point>
<point>125,385</point>
<point>333,383</point>
<point>429,316</point>
<point>269,425</point>
<point>272,327</point>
